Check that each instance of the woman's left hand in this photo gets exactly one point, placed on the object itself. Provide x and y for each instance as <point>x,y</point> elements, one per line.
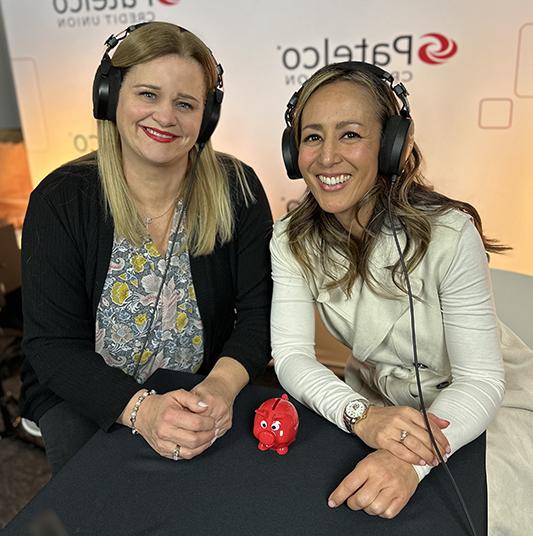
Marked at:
<point>381,485</point>
<point>402,431</point>
<point>219,400</point>
<point>219,390</point>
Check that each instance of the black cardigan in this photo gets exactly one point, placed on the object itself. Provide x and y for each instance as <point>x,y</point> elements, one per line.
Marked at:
<point>66,249</point>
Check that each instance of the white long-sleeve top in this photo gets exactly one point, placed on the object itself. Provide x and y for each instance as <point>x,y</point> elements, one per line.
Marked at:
<point>458,334</point>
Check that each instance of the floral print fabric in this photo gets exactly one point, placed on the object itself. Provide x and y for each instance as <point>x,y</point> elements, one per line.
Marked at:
<point>132,332</point>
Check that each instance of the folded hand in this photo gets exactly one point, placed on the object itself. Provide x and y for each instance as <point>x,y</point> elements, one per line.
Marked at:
<point>402,431</point>
<point>219,400</point>
<point>177,418</point>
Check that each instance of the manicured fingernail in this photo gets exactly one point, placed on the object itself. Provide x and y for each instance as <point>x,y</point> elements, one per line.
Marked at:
<point>448,450</point>
<point>202,404</point>
<point>422,462</point>
<point>217,432</point>
<point>445,458</point>
<point>331,503</point>
<point>435,462</point>
<point>214,439</point>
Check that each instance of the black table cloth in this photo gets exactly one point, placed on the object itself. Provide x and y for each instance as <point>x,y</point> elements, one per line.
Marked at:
<point>118,485</point>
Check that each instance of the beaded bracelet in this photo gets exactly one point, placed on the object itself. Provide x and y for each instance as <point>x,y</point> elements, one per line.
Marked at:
<point>133,414</point>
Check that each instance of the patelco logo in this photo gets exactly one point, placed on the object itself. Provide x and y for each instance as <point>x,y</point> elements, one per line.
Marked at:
<point>438,50</point>
<point>398,54</point>
<point>89,13</point>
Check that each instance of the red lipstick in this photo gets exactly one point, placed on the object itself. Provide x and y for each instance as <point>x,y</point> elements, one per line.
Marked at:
<point>159,135</point>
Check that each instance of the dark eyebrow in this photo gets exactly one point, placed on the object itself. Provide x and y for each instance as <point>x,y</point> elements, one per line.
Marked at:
<point>157,88</point>
<point>338,126</point>
<point>344,124</point>
<point>313,126</point>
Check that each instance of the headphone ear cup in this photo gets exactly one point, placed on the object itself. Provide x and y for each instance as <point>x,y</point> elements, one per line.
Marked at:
<point>289,151</point>
<point>211,115</point>
<point>396,145</point>
<point>106,87</point>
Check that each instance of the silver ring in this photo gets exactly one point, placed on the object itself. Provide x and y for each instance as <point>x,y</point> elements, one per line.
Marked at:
<point>403,435</point>
<point>176,453</point>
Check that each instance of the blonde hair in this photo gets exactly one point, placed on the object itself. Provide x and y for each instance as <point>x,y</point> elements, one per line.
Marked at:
<point>209,210</point>
<point>314,233</point>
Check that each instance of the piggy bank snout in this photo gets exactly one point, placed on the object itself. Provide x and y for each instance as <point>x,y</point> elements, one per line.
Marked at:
<point>267,437</point>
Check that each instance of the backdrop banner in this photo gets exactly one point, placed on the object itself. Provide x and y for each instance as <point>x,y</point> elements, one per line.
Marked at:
<point>467,65</point>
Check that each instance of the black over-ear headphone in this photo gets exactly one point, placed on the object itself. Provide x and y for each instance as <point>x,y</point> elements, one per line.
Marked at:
<point>108,78</point>
<point>396,138</point>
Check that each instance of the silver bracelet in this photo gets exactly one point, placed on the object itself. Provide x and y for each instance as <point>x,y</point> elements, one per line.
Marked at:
<point>133,414</point>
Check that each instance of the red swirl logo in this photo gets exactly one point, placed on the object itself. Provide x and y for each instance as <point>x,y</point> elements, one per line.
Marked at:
<point>438,50</point>
<point>169,2</point>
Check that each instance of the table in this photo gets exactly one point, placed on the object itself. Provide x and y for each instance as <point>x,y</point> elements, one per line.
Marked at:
<point>118,485</point>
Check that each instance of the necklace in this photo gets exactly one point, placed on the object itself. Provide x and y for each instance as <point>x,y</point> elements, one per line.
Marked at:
<point>149,219</point>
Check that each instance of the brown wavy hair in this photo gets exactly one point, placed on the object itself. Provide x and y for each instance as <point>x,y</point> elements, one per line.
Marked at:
<point>314,233</point>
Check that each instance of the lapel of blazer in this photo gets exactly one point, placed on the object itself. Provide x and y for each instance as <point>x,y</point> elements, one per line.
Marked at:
<point>366,318</point>
<point>376,314</point>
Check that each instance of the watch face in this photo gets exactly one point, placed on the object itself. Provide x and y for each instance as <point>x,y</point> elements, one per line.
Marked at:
<point>355,409</point>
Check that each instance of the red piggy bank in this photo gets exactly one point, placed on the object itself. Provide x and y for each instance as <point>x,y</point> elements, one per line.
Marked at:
<point>276,424</point>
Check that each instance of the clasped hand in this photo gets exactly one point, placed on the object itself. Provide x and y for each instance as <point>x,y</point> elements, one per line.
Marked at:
<point>402,431</point>
<point>191,419</point>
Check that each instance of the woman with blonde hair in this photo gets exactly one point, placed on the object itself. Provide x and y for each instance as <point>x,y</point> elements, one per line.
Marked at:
<point>150,254</point>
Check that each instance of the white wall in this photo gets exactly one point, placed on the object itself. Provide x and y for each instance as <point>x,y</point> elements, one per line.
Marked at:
<point>469,70</point>
<point>490,167</point>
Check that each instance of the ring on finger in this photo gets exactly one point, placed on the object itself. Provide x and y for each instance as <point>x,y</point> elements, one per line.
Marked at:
<point>176,453</point>
<point>403,435</point>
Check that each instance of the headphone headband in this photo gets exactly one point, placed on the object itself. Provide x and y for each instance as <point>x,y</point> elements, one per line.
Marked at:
<point>396,138</point>
<point>349,66</point>
<point>113,40</point>
<point>108,79</point>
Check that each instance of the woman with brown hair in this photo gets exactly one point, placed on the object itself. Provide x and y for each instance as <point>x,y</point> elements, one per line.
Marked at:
<point>374,247</point>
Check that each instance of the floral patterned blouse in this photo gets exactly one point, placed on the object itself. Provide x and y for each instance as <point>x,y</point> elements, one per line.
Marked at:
<point>129,323</point>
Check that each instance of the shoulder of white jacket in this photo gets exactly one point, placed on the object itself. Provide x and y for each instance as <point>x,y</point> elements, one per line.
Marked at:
<point>451,219</point>
<point>280,226</point>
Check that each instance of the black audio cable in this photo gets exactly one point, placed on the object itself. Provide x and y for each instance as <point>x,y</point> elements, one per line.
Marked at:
<point>188,188</point>
<point>405,272</point>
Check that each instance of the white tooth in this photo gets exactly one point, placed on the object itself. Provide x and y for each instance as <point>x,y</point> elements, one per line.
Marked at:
<point>330,181</point>
<point>158,133</point>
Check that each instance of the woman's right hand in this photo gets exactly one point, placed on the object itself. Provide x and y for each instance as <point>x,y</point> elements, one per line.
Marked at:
<point>176,418</point>
<point>402,431</point>
<point>380,484</point>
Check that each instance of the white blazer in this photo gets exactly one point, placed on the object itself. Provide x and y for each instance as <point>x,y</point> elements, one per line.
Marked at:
<point>460,345</point>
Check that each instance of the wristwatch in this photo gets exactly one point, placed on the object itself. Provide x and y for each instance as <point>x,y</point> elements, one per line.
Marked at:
<point>354,412</point>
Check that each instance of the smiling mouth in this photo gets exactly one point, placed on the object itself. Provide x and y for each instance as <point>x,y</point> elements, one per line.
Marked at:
<point>159,135</point>
<point>333,180</point>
